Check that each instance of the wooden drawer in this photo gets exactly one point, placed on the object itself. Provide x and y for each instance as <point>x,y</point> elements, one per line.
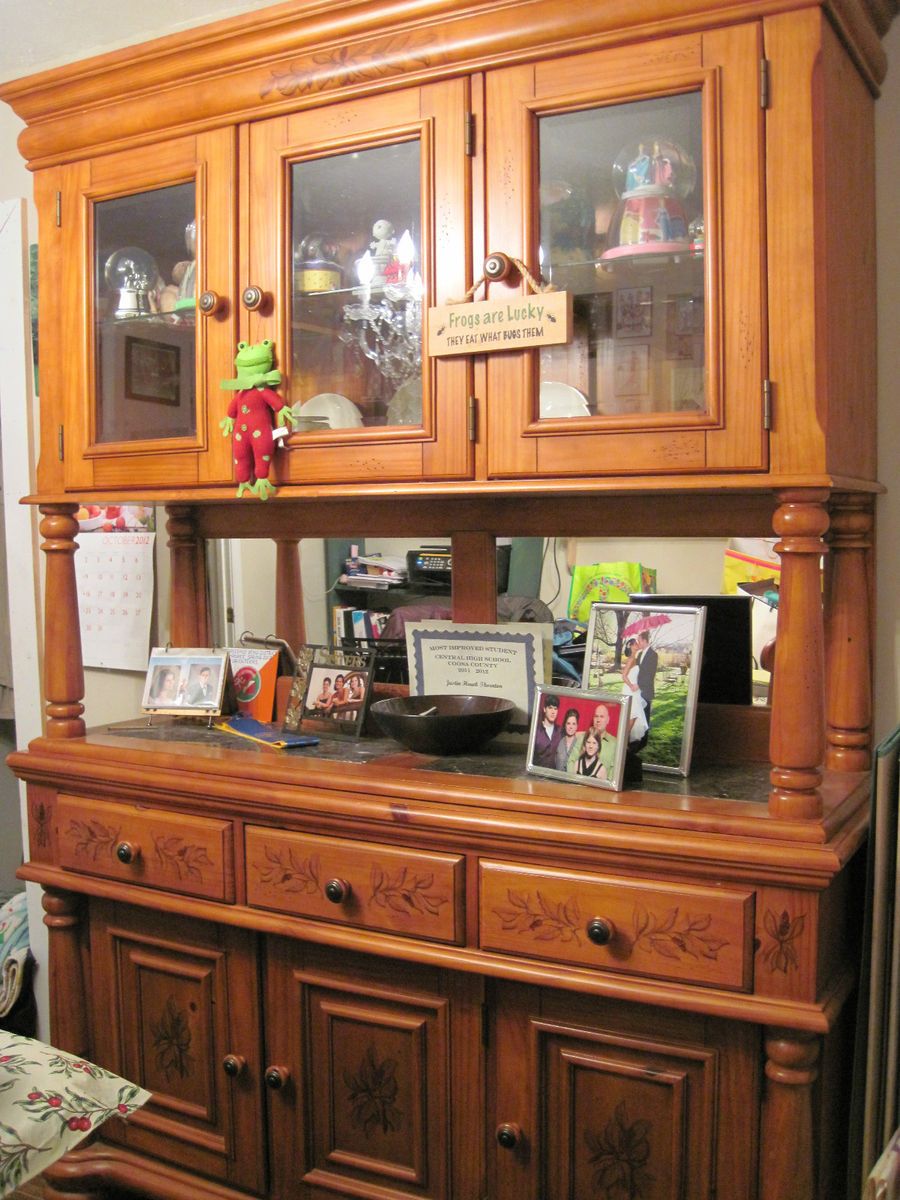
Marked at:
<point>697,934</point>
<point>190,855</point>
<point>371,886</point>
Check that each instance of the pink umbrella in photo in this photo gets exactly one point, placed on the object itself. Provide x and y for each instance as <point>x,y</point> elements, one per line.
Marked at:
<point>643,623</point>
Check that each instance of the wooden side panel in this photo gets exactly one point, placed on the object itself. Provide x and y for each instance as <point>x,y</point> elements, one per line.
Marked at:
<point>796,367</point>
<point>847,230</point>
<point>172,998</point>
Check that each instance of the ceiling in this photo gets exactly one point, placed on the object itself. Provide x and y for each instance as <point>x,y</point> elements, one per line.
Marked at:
<point>48,33</point>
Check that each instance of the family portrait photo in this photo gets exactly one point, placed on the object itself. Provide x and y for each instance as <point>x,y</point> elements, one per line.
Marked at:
<point>652,655</point>
<point>579,736</point>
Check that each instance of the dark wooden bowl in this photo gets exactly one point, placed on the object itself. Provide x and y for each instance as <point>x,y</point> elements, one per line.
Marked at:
<point>442,724</point>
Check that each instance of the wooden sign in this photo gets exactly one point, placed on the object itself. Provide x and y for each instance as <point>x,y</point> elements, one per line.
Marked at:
<point>514,323</point>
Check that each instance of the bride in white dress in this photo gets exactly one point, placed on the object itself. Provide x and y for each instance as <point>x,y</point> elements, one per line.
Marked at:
<point>637,722</point>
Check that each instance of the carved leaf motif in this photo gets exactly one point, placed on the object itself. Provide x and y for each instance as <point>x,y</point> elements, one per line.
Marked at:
<point>405,892</point>
<point>544,919</point>
<point>172,1041</point>
<point>372,1092</point>
<point>93,838</point>
<point>184,860</point>
<point>619,1156</point>
<point>675,939</point>
<point>282,869</point>
<point>344,66</point>
<point>784,931</point>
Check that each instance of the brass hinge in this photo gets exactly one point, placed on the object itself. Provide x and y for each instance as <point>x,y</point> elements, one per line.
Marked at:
<point>471,417</point>
<point>763,83</point>
<point>58,210</point>
<point>767,404</point>
<point>470,134</point>
<point>61,443</point>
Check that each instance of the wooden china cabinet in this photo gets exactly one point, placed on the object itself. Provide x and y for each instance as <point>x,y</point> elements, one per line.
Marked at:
<point>379,976</point>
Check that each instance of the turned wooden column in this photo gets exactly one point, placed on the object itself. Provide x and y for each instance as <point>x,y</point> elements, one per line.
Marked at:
<point>797,742</point>
<point>290,624</point>
<point>475,590</point>
<point>848,641</point>
<point>63,670</point>
<point>69,995</point>
<point>787,1163</point>
<point>189,620</point>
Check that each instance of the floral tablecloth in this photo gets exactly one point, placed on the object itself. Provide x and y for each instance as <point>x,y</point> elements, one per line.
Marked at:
<point>49,1102</point>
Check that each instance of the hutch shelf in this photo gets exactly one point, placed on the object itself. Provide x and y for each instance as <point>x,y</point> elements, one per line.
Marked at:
<point>376,976</point>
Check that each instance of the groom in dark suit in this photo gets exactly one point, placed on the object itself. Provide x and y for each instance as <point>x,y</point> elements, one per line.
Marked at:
<point>648,661</point>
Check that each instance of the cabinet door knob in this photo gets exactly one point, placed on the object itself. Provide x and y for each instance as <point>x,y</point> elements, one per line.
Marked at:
<point>210,302</point>
<point>601,931</point>
<point>337,890</point>
<point>497,266</point>
<point>128,852</point>
<point>276,1077</point>
<point>252,298</point>
<point>233,1064</point>
<point>508,1135</point>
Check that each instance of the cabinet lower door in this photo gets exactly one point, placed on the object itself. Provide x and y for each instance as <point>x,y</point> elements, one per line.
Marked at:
<point>594,1100</point>
<point>176,1010</point>
<point>378,1085</point>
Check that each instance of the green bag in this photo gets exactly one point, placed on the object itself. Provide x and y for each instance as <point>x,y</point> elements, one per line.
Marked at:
<point>605,582</point>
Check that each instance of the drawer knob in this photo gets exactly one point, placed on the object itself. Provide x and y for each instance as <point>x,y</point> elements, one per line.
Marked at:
<point>337,890</point>
<point>508,1135</point>
<point>276,1077</point>
<point>233,1065</point>
<point>128,852</point>
<point>252,297</point>
<point>210,302</point>
<point>497,266</point>
<point>601,931</point>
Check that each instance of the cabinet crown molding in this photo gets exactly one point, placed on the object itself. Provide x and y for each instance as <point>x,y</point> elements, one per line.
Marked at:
<point>292,55</point>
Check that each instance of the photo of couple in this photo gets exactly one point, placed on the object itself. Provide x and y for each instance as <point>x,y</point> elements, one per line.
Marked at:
<point>649,654</point>
<point>579,736</point>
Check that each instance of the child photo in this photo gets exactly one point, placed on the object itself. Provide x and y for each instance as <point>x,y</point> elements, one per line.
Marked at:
<point>184,681</point>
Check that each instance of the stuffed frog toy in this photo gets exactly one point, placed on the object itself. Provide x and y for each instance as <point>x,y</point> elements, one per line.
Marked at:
<point>251,415</point>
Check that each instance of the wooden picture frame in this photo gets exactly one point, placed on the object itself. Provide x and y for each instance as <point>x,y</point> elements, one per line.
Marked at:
<point>338,690</point>
<point>663,678</point>
<point>563,722</point>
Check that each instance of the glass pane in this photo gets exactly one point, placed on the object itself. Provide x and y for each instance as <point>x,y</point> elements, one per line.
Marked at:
<point>357,294</point>
<point>144,315</point>
<point>621,227</point>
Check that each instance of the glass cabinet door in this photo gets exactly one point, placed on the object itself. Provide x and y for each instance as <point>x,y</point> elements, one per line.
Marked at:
<point>357,288</point>
<point>360,255</point>
<point>646,208</point>
<point>155,228</point>
<point>145,269</point>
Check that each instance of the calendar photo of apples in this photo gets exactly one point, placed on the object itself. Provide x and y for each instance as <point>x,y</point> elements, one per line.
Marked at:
<point>116,518</point>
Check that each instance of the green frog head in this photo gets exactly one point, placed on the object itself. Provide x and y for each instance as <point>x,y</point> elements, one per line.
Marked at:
<point>254,367</point>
